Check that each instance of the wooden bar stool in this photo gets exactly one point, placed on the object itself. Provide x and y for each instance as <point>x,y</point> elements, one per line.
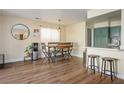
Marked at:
<point>111,63</point>
<point>93,63</point>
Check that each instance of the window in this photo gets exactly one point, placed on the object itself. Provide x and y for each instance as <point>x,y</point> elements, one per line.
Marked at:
<point>49,35</point>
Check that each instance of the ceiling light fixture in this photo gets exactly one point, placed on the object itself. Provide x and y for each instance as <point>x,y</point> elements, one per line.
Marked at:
<point>37,18</point>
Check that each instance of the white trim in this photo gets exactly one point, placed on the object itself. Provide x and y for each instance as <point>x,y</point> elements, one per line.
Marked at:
<point>120,75</point>
<point>77,55</point>
<point>16,60</point>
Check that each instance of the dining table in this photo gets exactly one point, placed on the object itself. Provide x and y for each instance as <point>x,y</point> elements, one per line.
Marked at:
<point>62,47</point>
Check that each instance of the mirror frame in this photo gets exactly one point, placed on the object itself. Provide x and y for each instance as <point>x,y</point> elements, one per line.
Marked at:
<point>22,25</point>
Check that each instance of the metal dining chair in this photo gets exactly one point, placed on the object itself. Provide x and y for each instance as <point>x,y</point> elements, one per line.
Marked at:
<point>48,54</point>
<point>67,52</point>
<point>70,49</point>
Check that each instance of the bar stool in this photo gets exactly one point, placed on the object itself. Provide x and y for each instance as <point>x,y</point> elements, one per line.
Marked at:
<point>94,63</point>
<point>112,66</point>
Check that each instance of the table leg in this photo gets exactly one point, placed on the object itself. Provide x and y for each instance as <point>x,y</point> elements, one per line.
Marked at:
<point>62,53</point>
<point>68,53</point>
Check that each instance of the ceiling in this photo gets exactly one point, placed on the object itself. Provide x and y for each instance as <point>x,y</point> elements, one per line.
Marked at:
<point>67,16</point>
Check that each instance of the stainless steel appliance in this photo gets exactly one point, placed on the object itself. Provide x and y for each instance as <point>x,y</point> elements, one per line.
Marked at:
<point>35,51</point>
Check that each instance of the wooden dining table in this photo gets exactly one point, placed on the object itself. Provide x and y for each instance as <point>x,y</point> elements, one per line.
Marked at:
<point>59,47</point>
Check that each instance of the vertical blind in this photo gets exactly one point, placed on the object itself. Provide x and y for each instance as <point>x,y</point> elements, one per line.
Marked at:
<point>49,35</point>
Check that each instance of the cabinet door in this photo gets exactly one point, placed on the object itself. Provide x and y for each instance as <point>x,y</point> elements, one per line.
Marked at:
<point>115,31</point>
<point>101,37</point>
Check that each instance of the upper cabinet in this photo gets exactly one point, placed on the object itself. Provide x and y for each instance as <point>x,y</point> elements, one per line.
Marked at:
<point>105,26</point>
<point>98,12</point>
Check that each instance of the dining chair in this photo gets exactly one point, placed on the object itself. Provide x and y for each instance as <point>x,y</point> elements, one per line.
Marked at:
<point>68,51</point>
<point>48,54</point>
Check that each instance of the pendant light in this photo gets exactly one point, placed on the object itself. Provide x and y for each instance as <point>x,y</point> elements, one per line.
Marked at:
<point>59,28</point>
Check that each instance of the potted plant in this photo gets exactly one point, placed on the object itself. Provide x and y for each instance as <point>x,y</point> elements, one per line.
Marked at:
<point>28,50</point>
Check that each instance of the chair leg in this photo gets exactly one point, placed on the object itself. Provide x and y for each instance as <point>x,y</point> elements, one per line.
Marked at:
<point>91,64</point>
<point>101,69</point>
<point>116,67</point>
<point>49,57</point>
<point>104,68</point>
<point>98,66</point>
<point>111,70</point>
<point>94,65</point>
<point>24,59</point>
<point>43,59</point>
<point>3,65</point>
<point>70,54</point>
<point>53,59</point>
<point>87,64</point>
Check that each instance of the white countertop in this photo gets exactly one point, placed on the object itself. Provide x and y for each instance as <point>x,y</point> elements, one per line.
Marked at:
<point>107,49</point>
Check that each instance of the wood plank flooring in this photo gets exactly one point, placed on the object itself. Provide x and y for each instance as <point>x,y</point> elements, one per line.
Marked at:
<point>61,72</point>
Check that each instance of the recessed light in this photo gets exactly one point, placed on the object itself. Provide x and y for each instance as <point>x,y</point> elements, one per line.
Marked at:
<point>37,18</point>
<point>59,20</point>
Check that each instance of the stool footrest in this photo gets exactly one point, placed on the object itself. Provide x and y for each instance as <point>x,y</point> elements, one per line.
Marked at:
<point>107,71</point>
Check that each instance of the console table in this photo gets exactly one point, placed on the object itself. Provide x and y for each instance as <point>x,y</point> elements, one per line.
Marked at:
<point>3,59</point>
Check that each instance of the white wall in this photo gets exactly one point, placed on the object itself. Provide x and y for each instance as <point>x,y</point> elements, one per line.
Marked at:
<point>14,49</point>
<point>63,34</point>
<point>76,33</point>
<point>122,28</point>
<point>0,34</point>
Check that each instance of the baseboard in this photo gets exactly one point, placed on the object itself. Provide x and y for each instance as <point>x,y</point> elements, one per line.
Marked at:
<point>120,75</point>
<point>15,60</point>
<point>22,59</point>
<point>77,55</point>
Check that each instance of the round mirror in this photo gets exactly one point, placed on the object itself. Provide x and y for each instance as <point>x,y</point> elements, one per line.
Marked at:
<point>20,31</point>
